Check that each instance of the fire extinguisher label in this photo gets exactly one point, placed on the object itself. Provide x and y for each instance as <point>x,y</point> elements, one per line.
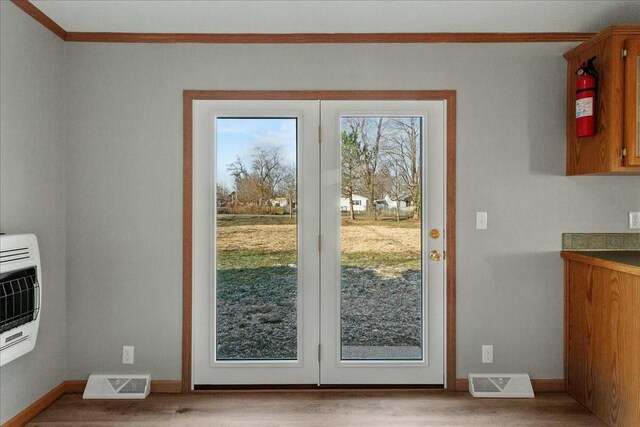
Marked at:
<point>584,107</point>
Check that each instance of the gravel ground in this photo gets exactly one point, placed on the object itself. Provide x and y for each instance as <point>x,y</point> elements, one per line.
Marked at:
<point>256,311</point>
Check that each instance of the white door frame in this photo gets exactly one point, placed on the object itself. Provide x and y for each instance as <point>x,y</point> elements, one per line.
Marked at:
<point>207,369</point>
<point>430,369</point>
<point>190,96</point>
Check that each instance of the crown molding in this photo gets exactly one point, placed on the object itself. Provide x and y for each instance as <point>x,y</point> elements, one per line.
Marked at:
<point>614,30</point>
<point>317,38</point>
<point>40,16</point>
<point>295,38</point>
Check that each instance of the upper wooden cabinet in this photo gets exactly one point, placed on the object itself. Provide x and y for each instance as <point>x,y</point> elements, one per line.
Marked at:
<point>615,146</point>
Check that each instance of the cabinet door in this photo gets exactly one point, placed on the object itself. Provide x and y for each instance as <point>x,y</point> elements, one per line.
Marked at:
<point>632,103</point>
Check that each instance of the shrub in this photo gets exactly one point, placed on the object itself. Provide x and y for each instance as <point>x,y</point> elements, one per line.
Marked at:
<point>251,210</point>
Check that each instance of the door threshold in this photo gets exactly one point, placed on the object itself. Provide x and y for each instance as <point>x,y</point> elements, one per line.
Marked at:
<point>314,387</point>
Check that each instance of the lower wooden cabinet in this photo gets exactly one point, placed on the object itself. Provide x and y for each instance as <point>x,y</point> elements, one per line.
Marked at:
<point>602,340</point>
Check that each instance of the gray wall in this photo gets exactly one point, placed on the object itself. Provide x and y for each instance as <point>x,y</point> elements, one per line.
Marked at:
<point>113,115</point>
<point>31,189</point>
<point>124,194</point>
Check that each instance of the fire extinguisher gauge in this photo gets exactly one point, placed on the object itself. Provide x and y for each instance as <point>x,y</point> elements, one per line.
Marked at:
<point>588,68</point>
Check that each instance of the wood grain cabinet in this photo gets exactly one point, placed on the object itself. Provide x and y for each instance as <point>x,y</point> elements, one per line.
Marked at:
<point>602,337</point>
<point>615,147</point>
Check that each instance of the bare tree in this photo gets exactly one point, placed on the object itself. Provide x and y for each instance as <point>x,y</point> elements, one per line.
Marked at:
<point>267,172</point>
<point>396,190</point>
<point>289,187</point>
<point>237,169</point>
<point>245,188</point>
<point>403,151</point>
<point>350,160</point>
<point>258,184</point>
<point>370,157</point>
<point>222,195</point>
<point>370,132</point>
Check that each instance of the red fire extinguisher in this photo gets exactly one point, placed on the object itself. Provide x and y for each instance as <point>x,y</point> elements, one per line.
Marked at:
<point>586,89</point>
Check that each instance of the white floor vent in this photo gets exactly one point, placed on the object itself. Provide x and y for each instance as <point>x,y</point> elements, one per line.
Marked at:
<point>500,385</point>
<point>117,387</point>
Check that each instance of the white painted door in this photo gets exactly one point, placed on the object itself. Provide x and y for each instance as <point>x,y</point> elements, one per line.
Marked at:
<point>382,296</point>
<point>287,288</point>
<point>255,252</point>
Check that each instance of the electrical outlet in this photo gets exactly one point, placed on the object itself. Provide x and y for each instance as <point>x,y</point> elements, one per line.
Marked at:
<point>487,354</point>
<point>634,220</point>
<point>127,355</point>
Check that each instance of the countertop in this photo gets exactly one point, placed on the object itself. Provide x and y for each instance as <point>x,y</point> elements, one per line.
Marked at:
<point>624,261</point>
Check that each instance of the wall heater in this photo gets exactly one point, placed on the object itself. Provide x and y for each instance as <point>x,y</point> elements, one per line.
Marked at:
<point>20,295</point>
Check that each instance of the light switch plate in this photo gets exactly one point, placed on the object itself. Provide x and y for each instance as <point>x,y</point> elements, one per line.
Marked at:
<point>634,220</point>
<point>487,354</point>
<point>481,221</point>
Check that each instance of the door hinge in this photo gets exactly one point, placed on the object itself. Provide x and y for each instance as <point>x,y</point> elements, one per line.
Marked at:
<point>319,352</point>
<point>319,134</point>
<point>624,153</point>
<point>624,53</point>
<point>319,243</point>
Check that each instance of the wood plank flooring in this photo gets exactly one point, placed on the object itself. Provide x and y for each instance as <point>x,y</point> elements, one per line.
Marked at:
<point>319,408</point>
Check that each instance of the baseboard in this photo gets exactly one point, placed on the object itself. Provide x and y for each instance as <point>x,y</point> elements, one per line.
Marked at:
<point>540,385</point>
<point>31,411</point>
<point>75,387</point>
<point>157,386</point>
<point>166,386</point>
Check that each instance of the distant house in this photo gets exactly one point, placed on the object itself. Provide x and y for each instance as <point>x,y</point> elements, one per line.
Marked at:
<point>359,203</point>
<point>388,203</point>
<point>281,202</point>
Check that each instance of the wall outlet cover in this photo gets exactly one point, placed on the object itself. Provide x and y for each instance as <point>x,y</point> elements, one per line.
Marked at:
<point>127,354</point>
<point>487,354</point>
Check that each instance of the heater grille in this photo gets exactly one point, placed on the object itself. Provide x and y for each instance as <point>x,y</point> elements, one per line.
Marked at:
<point>500,385</point>
<point>484,385</point>
<point>135,385</point>
<point>19,298</point>
<point>14,254</point>
<point>117,387</point>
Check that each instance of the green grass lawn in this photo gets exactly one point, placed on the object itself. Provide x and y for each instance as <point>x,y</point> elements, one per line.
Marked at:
<point>234,220</point>
<point>254,259</point>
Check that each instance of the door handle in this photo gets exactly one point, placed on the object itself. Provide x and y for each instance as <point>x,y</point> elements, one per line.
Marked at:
<point>435,255</point>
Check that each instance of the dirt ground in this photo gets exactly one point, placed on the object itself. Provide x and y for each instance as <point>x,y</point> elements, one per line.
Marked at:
<point>355,238</point>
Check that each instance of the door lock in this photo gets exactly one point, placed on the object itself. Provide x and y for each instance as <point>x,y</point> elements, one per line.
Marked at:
<point>435,255</point>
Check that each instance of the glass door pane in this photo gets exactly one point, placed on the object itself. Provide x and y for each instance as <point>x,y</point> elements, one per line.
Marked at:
<point>256,273</point>
<point>382,187</point>
<point>381,306</point>
<point>255,242</point>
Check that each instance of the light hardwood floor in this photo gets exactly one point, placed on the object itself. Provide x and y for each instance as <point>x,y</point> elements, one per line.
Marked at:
<point>319,408</point>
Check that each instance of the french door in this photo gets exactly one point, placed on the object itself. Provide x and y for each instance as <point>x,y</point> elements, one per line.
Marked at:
<point>318,242</point>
